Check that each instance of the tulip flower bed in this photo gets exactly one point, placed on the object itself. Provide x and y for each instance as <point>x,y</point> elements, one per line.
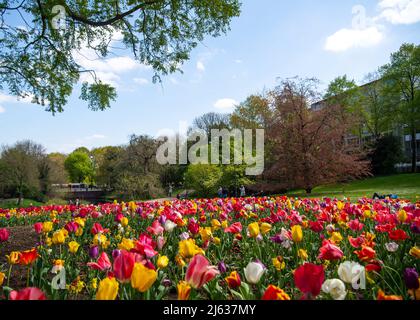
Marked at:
<point>221,249</point>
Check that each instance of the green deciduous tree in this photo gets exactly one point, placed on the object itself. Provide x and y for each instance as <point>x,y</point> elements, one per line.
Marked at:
<point>36,57</point>
<point>402,78</point>
<point>204,179</point>
<point>79,167</point>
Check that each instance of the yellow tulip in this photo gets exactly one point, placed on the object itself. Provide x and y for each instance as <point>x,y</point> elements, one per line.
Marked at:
<point>224,224</point>
<point>142,277</point>
<point>13,258</point>
<point>179,261</point>
<point>100,240</point>
<point>336,237</point>
<point>402,216</point>
<point>80,222</point>
<point>215,224</point>
<point>47,226</point>
<point>216,241</point>
<point>2,276</point>
<point>278,263</point>
<point>415,252</point>
<point>79,232</point>
<point>340,205</point>
<point>303,254</point>
<point>124,221</point>
<point>73,246</point>
<point>126,244</point>
<point>188,249</point>
<point>254,230</point>
<point>297,234</point>
<point>184,290</point>
<point>108,289</point>
<point>265,228</point>
<point>162,262</point>
<point>58,237</point>
<point>205,233</point>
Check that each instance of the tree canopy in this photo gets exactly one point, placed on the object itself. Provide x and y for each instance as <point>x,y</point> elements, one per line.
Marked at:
<point>38,40</point>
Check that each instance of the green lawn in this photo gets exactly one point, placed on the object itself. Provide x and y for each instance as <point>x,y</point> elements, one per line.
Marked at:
<point>11,203</point>
<point>406,186</point>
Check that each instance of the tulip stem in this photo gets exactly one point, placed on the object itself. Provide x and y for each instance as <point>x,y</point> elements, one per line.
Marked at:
<point>8,275</point>
<point>28,275</point>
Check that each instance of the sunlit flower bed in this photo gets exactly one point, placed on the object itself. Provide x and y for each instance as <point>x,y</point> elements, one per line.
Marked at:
<point>255,248</point>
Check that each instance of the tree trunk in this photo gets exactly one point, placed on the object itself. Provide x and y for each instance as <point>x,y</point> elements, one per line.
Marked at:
<point>413,151</point>
<point>308,190</point>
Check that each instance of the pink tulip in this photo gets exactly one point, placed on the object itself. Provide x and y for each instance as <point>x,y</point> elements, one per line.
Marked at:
<point>330,251</point>
<point>156,228</point>
<point>123,266</point>
<point>234,228</point>
<point>102,264</point>
<point>27,294</point>
<point>199,272</point>
<point>4,235</point>
<point>38,227</point>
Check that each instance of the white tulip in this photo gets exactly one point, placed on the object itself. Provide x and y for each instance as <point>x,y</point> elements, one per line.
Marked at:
<point>336,288</point>
<point>349,271</point>
<point>254,272</point>
<point>169,226</point>
<point>391,246</point>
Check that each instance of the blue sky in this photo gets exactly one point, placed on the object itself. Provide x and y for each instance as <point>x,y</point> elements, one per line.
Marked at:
<point>271,39</point>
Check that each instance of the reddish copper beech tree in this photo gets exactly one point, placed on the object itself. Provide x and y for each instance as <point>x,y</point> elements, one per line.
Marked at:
<point>310,145</point>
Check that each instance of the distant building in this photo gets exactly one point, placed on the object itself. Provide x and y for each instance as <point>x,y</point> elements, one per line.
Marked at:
<point>365,136</point>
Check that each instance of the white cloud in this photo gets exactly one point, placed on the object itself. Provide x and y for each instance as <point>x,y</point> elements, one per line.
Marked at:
<point>225,104</point>
<point>108,70</point>
<point>400,11</point>
<point>2,110</point>
<point>200,66</point>
<point>346,39</point>
<point>13,99</point>
<point>238,61</point>
<point>141,81</point>
<point>367,31</point>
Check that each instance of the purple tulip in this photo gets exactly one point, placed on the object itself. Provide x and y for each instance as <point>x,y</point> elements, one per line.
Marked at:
<point>415,229</point>
<point>277,239</point>
<point>162,219</point>
<point>166,282</point>
<point>93,252</point>
<point>115,253</point>
<point>222,267</point>
<point>411,278</point>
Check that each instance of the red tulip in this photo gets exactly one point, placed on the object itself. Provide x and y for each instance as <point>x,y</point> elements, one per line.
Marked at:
<point>199,272</point>
<point>355,225</point>
<point>38,227</point>
<point>123,266</point>
<point>356,242</point>
<point>4,235</point>
<point>102,264</point>
<point>330,251</point>
<point>398,235</point>
<point>275,293</point>
<point>193,227</point>
<point>27,294</point>
<point>309,279</point>
<point>97,228</point>
<point>316,226</point>
<point>366,254</point>
<point>233,280</point>
<point>234,228</point>
<point>28,257</point>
